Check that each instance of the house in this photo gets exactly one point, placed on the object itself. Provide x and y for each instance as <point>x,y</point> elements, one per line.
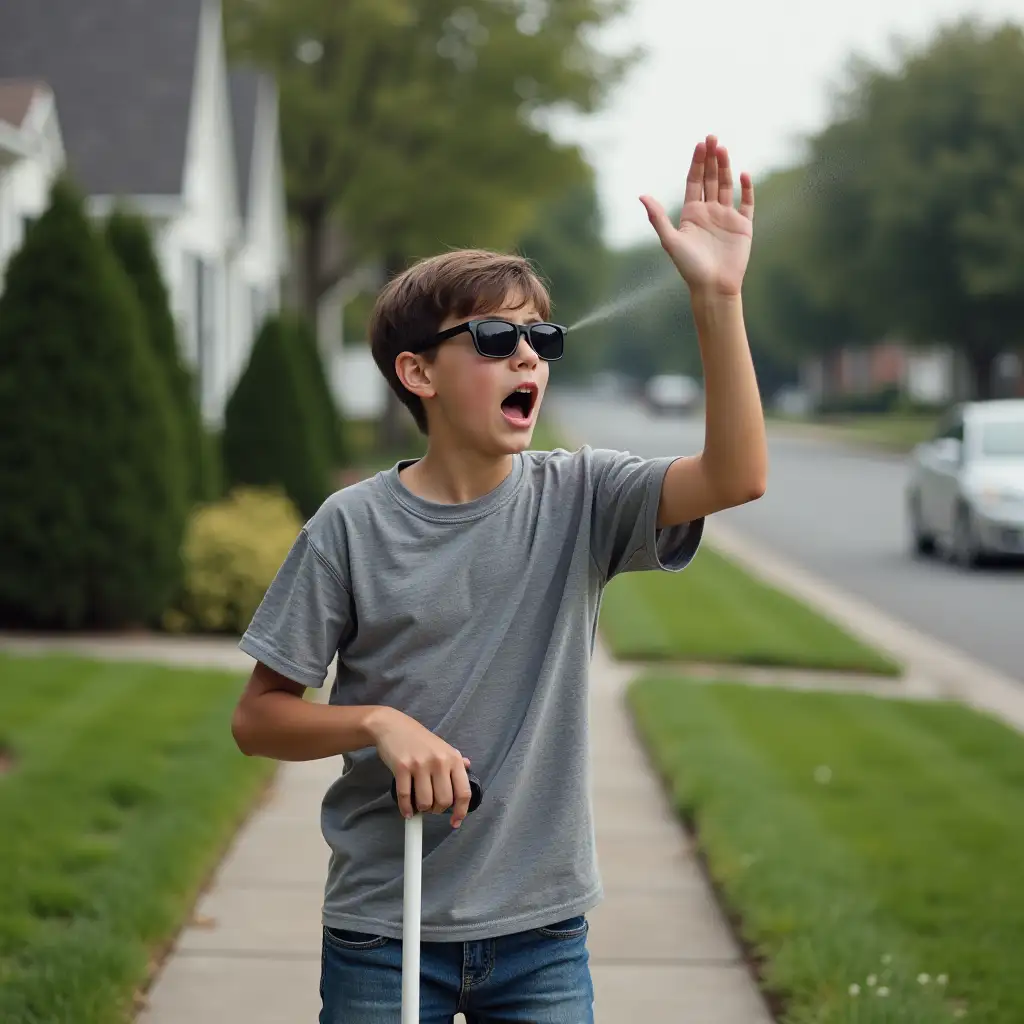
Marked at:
<point>263,257</point>
<point>31,156</point>
<point>931,375</point>
<point>147,114</point>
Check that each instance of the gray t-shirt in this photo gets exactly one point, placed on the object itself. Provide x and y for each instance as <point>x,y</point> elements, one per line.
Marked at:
<point>478,620</point>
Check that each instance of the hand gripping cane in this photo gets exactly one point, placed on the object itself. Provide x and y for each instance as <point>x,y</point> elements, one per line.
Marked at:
<point>411,901</point>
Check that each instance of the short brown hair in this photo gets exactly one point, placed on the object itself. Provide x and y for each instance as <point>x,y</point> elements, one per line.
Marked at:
<point>412,306</point>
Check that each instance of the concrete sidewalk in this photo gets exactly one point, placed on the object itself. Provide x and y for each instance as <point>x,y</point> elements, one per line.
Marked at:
<point>661,951</point>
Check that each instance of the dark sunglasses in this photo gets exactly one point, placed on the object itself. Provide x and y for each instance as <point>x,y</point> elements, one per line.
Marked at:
<point>499,339</point>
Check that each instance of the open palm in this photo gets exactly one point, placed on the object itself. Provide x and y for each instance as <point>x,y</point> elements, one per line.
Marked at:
<point>711,245</point>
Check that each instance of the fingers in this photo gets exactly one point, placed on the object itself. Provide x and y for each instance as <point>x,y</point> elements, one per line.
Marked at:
<point>462,793</point>
<point>711,170</point>
<point>657,216</point>
<point>695,176</point>
<point>434,783</point>
<point>724,177</point>
<point>747,196</point>
<point>710,179</point>
<point>403,789</point>
<point>424,788</point>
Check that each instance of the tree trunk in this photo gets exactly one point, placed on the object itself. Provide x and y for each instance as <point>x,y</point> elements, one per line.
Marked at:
<point>394,424</point>
<point>314,225</point>
<point>981,360</point>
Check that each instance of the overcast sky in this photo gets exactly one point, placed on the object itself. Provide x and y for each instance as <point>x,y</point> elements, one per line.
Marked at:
<point>756,73</point>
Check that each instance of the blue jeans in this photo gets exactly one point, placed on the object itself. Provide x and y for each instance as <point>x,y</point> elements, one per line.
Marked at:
<point>540,976</point>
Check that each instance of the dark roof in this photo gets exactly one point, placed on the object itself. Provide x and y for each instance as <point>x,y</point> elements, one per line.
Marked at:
<point>244,85</point>
<point>16,98</point>
<point>122,74</point>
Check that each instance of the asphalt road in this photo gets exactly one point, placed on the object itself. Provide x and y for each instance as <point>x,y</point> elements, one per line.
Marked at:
<point>839,513</point>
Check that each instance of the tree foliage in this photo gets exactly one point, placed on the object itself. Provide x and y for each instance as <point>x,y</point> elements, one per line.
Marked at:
<point>418,125</point>
<point>565,244</point>
<point>920,195</point>
<point>92,477</point>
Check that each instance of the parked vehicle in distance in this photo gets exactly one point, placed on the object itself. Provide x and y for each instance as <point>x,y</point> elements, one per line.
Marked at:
<point>965,489</point>
<point>668,393</point>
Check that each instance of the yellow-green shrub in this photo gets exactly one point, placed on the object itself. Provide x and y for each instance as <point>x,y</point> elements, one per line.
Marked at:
<point>232,550</point>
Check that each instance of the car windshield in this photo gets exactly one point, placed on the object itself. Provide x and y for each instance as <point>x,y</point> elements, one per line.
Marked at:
<point>1003,438</point>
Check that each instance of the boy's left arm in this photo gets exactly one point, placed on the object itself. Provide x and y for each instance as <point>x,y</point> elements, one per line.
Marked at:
<point>711,248</point>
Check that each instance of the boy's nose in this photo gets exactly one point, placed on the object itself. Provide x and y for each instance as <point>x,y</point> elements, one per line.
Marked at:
<point>524,354</point>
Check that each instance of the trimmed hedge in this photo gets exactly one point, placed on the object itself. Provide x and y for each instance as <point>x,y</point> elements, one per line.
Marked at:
<point>129,239</point>
<point>92,474</point>
<point>273,432</point>
<point>324,406</point>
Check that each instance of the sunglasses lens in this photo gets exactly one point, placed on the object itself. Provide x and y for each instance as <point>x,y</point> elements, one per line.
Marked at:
<point>496,339</point>
<point>548,341</point>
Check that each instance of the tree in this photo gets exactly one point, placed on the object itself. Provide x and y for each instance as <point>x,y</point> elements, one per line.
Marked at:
<point>92,475</point>
<point>417,125</point>
<point>920,194</point>
<point>793,307</point>
<point>273,434</point>
<point>565,243</point>
<point>129,238</point>
<point>648,326</point>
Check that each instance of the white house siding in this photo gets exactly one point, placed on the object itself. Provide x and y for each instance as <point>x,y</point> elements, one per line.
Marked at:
<point>263,258</point>
<point>198,247</point>
<point>26,181</point>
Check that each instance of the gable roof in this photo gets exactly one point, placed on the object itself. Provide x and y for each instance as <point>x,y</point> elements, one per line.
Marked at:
<point>122,73</point>
<point>244,87</point>
<point>16,98</point>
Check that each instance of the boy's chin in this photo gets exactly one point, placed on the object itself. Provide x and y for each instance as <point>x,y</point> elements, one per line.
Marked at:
<point>512,440</point>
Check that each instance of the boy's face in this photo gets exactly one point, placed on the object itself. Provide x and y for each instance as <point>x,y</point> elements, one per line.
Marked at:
<point>469,396</point>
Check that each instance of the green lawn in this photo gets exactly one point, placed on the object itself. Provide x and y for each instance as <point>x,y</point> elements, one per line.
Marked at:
<point>897,432</point>
<point>715,611</point>
<point>855,837</point>
<point>120,788</point>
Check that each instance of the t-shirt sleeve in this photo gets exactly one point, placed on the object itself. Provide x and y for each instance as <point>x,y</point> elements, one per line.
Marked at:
<point>624,518</point>
<point>303,618</point>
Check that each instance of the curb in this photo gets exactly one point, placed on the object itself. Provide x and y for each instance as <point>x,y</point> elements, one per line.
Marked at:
<point>933,668</point>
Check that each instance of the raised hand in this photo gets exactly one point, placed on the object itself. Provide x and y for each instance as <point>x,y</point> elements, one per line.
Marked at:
<point>711,246</point>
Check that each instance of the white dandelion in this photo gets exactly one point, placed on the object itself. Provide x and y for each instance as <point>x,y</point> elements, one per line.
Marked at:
<point>883,991</point>
<point>823,775</point>
<point>923,979</point>
<point>855,989</point>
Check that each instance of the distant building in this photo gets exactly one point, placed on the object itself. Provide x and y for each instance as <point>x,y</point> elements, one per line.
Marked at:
<point>150,114</point>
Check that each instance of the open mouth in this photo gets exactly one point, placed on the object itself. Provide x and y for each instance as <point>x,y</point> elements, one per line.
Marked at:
<point>518,405</point>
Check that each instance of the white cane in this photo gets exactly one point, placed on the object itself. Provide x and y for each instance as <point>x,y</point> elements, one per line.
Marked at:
<point>412,902</point>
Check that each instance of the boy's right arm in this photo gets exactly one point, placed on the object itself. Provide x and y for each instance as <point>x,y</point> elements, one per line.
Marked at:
<point>272,720</point>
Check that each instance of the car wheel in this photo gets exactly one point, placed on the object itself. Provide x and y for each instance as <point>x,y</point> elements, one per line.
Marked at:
<point>966,551</point>
<point>923,543</point>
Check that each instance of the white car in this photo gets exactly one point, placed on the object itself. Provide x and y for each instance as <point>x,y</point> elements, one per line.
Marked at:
<point>965,492</point>
<point>671,393</point>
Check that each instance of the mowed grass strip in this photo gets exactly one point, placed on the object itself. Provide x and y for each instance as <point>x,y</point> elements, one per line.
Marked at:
<point>120,789</point>
<point>858,842</point>
<point>715,611</point>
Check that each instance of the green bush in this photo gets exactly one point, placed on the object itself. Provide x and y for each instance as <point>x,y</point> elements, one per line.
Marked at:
<point>129,239</point>
<point>233,549</point>
<point>324,406</point>
<point>273,433</point>
<point>92,474</point>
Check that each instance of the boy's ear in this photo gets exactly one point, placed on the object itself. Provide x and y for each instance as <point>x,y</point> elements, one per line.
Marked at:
<point>414,372</point>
